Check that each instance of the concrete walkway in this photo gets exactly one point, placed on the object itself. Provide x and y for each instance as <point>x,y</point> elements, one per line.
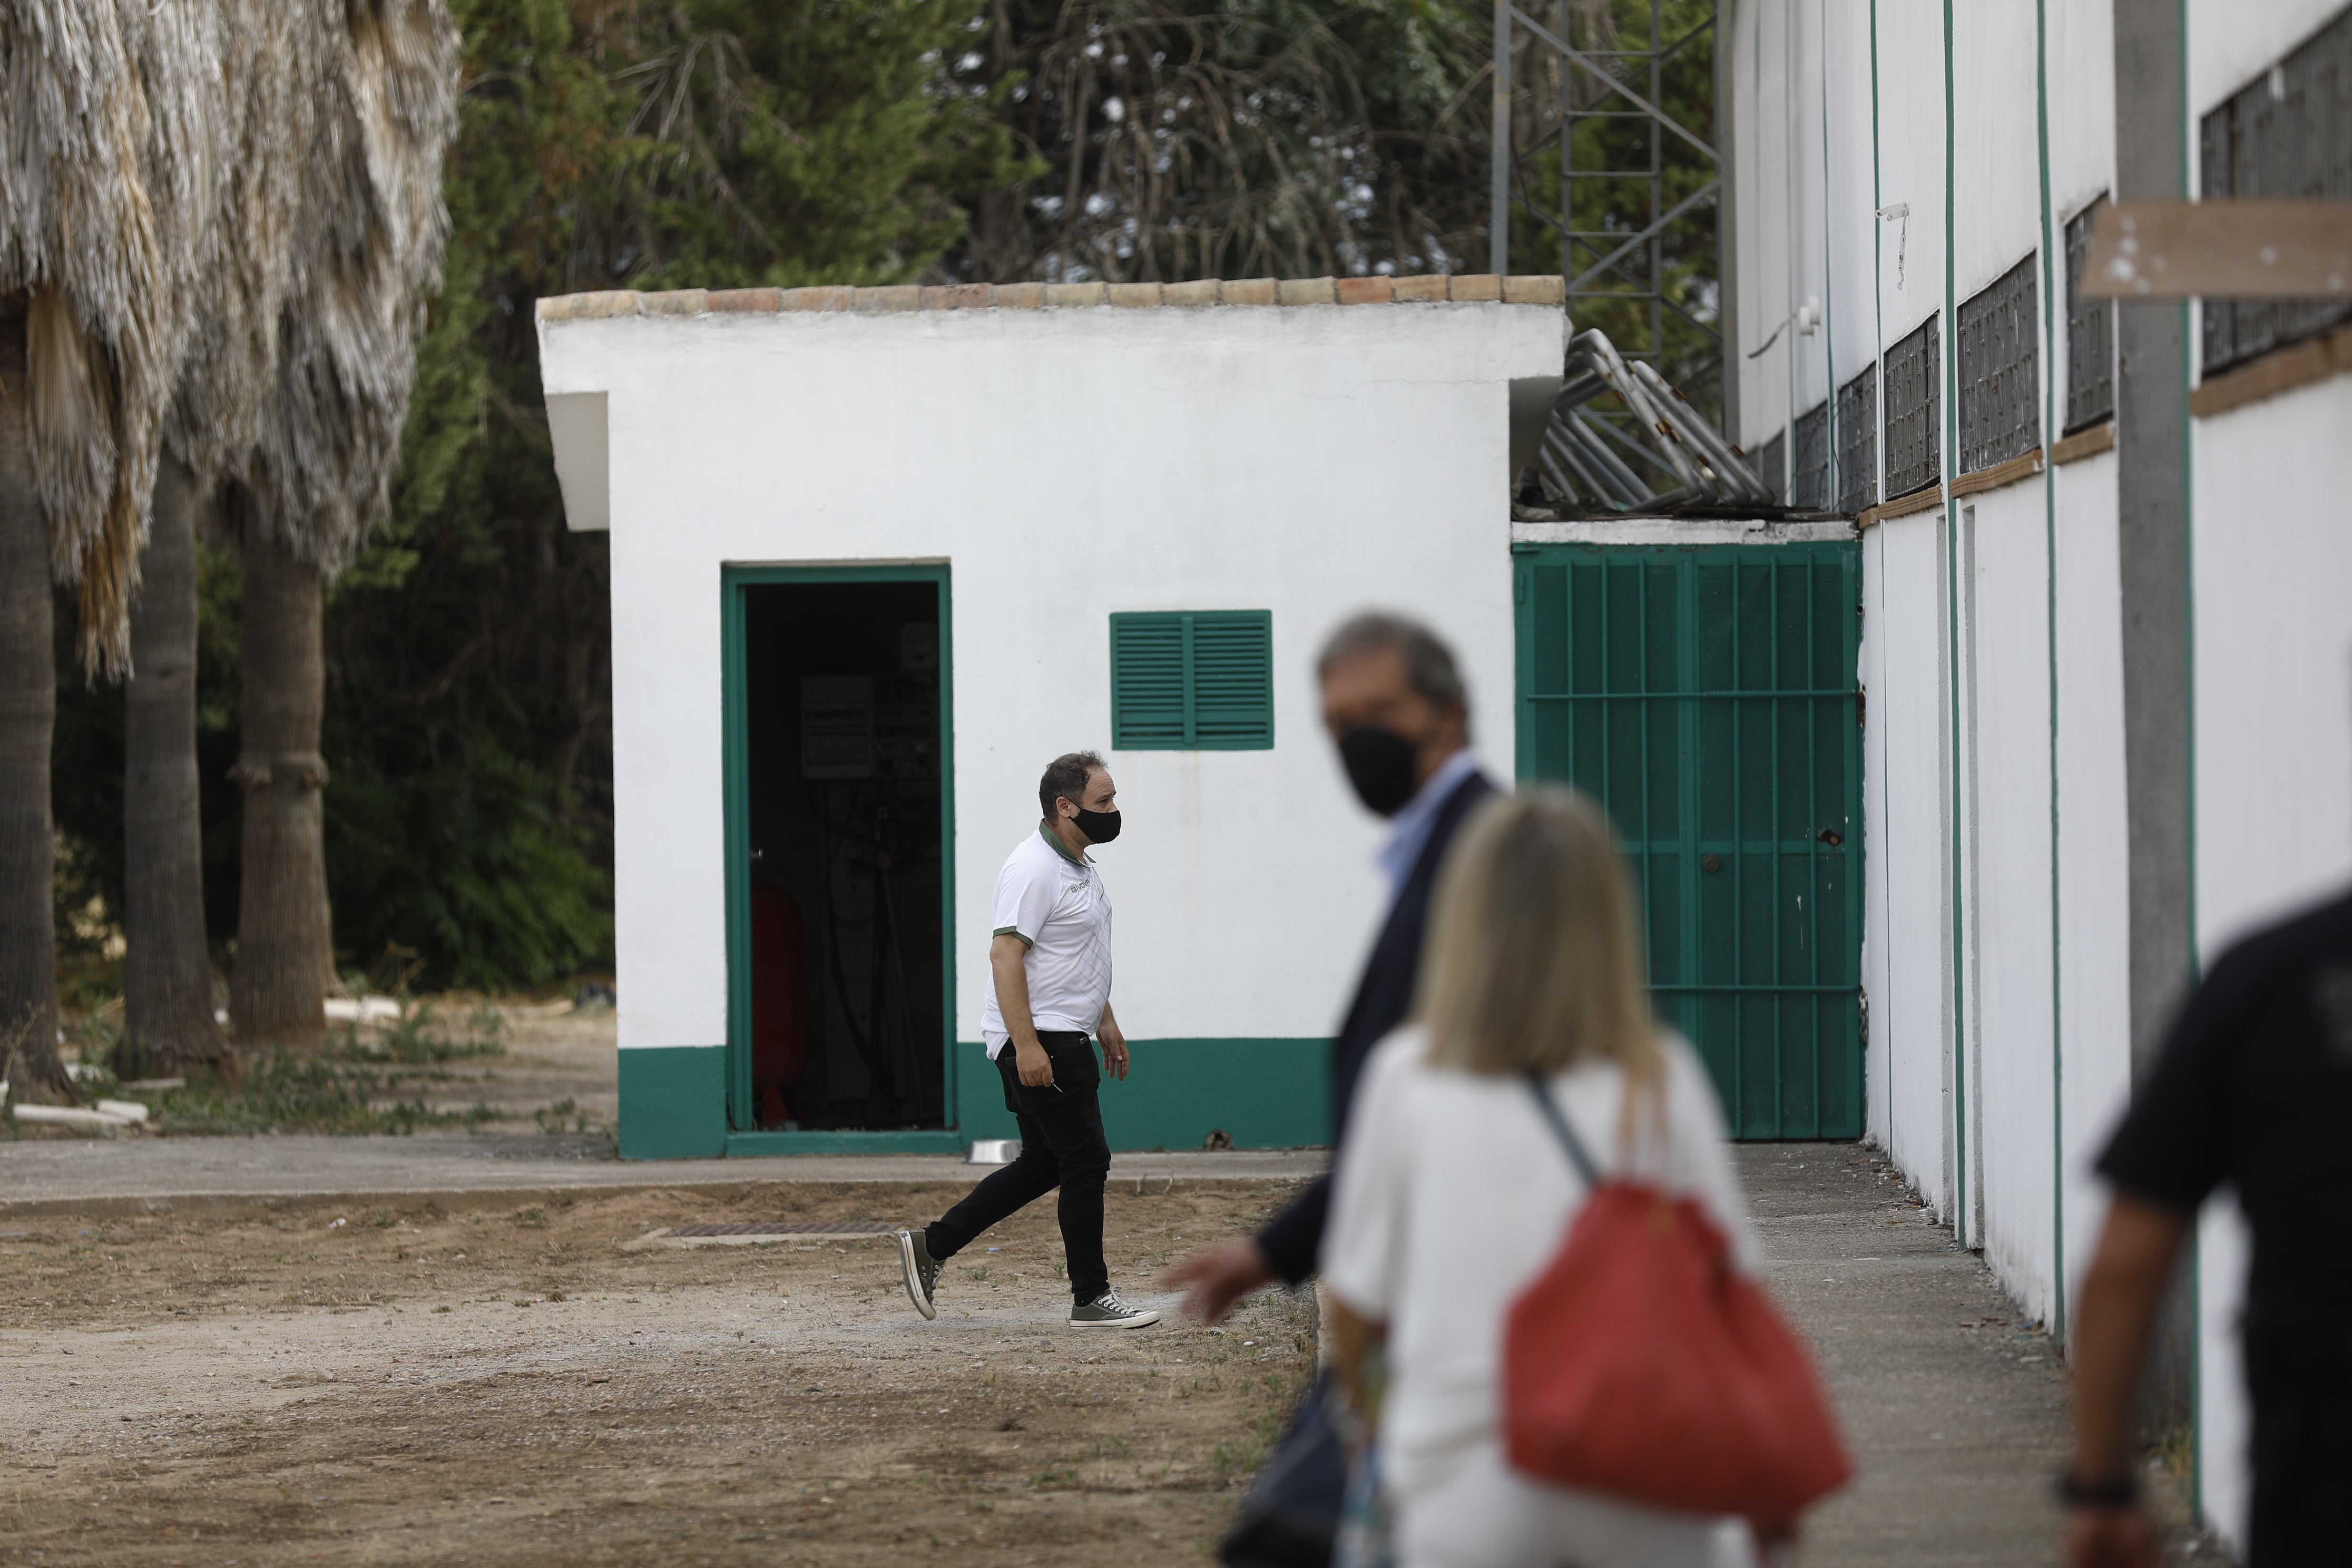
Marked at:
<point>1955,1409</point>
<point>59,1173</point>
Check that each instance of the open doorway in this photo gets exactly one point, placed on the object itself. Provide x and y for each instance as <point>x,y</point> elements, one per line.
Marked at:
<point>837,917</point>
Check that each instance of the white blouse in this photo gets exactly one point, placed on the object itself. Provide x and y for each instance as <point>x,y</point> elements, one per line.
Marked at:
<point>1453,1196</point>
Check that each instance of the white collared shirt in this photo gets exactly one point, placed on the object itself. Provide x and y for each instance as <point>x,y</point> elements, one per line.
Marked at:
<point>1054,902</point>
<point>1409,829</point>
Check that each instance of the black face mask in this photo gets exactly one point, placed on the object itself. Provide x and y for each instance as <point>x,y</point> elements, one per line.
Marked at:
<point>1099,826</point>
<point>1380,764</point>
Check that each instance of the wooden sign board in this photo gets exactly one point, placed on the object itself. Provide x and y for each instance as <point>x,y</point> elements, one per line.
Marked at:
<point>2225,249</point>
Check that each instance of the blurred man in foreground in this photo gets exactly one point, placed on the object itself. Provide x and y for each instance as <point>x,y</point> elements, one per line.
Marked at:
<point>2253,1089</point>
<point>1394,702</point>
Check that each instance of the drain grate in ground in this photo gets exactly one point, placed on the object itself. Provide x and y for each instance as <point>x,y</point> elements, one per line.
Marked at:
<point>754,1235</point>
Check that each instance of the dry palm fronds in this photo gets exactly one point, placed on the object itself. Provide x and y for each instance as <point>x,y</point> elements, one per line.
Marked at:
<point>107,166</point>
<point>367,244</point>
<point>266,107</point>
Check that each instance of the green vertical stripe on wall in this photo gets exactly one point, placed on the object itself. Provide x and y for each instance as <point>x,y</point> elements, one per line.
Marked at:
<point>1878,483</point>
<point>1829,270</point>
<point>2050,555</point>
<point>2188,703</point>
<point>1951,330</point>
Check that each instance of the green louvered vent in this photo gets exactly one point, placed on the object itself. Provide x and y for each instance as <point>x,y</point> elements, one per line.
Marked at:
<point>1200,680</point>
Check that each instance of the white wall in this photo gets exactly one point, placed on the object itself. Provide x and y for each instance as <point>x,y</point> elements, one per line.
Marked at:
<point>2037,965</point>
<point>1308,460</point>
<point>2093,868</point>
<point>2008,844</point>
<point>2273,756</point>
<point>1909,848</point>
<point>2230,44</point>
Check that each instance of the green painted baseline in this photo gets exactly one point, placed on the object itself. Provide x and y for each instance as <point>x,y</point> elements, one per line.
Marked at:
<point>1260,1093</point>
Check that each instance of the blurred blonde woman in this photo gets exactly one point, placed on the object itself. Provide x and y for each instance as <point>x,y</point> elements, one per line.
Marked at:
<point>1454,1194</point>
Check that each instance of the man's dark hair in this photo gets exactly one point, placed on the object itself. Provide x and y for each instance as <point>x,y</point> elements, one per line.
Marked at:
<point>1065,778</point>
<point>1429,667</point>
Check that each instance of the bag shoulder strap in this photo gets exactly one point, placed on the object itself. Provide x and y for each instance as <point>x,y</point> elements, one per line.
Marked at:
<point>1562,1131</point>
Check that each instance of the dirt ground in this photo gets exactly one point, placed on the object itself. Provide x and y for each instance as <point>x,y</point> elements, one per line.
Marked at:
<point>455,1382</point>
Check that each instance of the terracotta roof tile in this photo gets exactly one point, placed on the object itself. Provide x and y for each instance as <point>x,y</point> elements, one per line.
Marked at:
<point>1433,288</point>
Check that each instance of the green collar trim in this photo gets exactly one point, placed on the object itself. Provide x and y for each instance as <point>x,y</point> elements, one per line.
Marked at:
<point>1045,832</point>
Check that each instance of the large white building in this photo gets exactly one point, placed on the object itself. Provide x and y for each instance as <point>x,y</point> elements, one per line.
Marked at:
<point>878,555</point>
<point>2107,643</point>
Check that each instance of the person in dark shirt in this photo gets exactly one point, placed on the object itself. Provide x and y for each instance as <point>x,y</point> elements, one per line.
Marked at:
<point>1393,701</point>
<point>2254,1090</point>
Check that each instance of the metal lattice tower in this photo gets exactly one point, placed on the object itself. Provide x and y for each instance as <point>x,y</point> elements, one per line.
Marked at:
<point>1624,260</point>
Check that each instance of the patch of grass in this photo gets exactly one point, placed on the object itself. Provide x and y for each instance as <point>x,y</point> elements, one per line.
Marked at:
<point>563,1116</point>
<point>1240,1457</point>
<point>353,1085</point>
<point>418,1039</point>
<point>284,1092</point>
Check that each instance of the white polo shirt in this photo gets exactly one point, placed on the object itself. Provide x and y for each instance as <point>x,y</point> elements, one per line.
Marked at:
<point>1058,906</point>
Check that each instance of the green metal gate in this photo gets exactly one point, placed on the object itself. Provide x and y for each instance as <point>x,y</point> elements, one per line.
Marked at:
<point>1705,695</point>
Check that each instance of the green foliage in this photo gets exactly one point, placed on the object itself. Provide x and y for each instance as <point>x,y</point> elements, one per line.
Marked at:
<point>1676,332</point>
<point>1234,138</point>
<point>604,143</point>
<point>656,143</point>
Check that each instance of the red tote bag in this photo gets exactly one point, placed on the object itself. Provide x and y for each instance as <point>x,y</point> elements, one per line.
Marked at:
<point>1643,1365</point>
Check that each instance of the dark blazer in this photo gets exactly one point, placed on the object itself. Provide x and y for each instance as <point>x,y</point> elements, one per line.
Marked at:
<point>1291,1239</point>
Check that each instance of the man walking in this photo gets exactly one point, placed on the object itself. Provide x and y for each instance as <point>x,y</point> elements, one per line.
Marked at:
<point>2253,1092</point>
<point>1393,701</point>
<point>1049,969</point>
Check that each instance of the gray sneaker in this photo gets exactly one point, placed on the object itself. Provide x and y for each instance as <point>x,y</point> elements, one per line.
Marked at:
<point>922,1273</point>
<point>1107,1311</point>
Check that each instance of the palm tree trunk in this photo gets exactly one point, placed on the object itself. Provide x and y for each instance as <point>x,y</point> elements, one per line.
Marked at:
<point>167,981</point>
<point>277,987</point>
<point>28,713</point>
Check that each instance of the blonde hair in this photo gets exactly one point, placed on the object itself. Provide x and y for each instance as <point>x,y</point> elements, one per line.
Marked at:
<point>1533,961</point>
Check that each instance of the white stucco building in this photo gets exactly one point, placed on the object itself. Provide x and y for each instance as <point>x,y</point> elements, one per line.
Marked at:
<point>875,555</point>
<point>2108,734</point>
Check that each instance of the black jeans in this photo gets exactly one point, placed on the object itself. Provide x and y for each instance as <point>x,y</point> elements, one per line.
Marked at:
<point>1061,1145</point>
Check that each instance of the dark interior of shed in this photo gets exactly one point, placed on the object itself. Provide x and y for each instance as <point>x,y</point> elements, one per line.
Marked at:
<point>842,725</point>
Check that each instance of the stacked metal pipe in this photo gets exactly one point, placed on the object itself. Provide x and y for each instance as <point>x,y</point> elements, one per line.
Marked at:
<point>1584,459</point>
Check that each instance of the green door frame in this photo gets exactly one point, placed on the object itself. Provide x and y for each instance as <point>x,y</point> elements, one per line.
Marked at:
<point>743,1136</point>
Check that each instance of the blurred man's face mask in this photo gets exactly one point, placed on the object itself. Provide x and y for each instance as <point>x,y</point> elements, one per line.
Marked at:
<point>1380,766</point>
<point>1099,826</point>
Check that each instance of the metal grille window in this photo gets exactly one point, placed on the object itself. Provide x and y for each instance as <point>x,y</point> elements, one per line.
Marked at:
<point>2286,136</point>
<point>2001,363</point>
<point>1809,486</point>
<point>1771,465</point>
<point>1198,681</point>
<point>2090,332</point>
<point>1914,411</point>
<point>1857,442</point>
